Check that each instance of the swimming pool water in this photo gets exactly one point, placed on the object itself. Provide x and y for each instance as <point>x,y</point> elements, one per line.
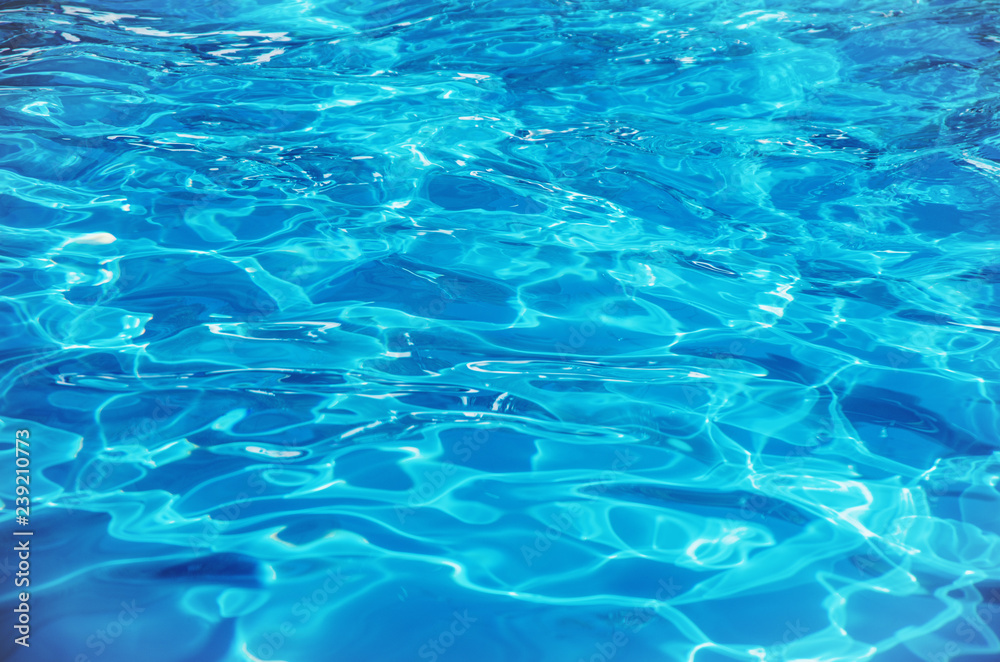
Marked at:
<point>503,330</point>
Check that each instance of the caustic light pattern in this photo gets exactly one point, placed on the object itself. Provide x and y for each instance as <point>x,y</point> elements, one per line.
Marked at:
<point>501,330</point>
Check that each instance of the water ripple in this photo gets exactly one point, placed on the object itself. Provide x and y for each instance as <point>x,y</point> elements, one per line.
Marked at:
<point>504,330</point>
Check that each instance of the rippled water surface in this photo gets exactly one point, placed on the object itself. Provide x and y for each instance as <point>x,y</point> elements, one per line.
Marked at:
<point>503,330</point>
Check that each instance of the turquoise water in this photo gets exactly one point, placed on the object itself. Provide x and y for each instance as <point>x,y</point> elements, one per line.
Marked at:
<point>503,331</point>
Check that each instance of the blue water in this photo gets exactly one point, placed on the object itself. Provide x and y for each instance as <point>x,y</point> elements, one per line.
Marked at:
<point>502,330</point>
